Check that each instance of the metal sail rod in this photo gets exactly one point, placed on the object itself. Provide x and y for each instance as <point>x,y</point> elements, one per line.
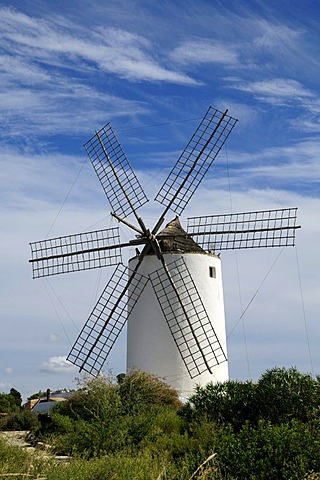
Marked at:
<point>116,175</point>
<point>143,253</point>
<point>185,313</point>
<point>220,232</point>
<point>158,224</point>
<point>146,235</point>
<point>275,210</point>
<point>89,250</point>
<point>156,228</point>
<point>122,220</point>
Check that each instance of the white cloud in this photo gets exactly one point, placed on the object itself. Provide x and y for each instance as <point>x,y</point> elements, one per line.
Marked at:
<point>46,75</point>
<point>22,71</point>
<point>199,51</point>
<point>57,365</point>
<point>108,49</point>
<point>276,90</point>
<point>273,37</point>
<point>288,168</point>
<point>306,124</point>
<point>60,108</point>
<point>9,370</point>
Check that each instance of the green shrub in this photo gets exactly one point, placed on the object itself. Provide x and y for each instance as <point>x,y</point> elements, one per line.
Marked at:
<point>137,429</point>
<point>268,452</point>
<point>279,396</point>
<point>23,420</point>
<point>107,417</point>
<point>90,422</point>
<point>139,391</point>
<point>98,398</point>
<point>286,394</point>
<point>229,402</point>
<point>87,438</point>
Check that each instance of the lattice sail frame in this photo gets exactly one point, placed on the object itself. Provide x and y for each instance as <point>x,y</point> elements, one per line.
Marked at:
<point>257,229</point>
<point>106,321</point>
<point>118,180</point>
<point>73,253</point>
<point>195,160</point>
<point>187,318</point>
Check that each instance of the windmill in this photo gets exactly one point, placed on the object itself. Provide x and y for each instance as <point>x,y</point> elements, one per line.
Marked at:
<point>171,293</point>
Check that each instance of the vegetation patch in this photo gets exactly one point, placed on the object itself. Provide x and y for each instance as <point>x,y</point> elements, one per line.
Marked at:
<point>136,428</point>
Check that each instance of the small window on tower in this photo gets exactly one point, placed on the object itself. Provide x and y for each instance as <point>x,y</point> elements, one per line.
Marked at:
<point>212,272</point>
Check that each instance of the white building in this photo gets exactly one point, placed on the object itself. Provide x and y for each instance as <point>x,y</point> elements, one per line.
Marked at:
<point>150,344</point>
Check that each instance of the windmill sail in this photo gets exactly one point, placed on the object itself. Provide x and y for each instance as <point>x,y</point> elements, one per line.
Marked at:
<point>72,253</point>
<point>195,160</point>
<point>114,171</point>
<point>187,318</point>
<point>264,228</point>
<point>106,320</point>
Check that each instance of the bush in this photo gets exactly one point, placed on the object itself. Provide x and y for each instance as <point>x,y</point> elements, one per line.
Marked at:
<point>23,420</point>
<point>97,398</point>
<point>139,391</point>
<point>229,402</point>
<point>10,402</point>
<point>91,421</point>
<point>105,417</point>
<point>137,429</point>
<point>268,452</point>
<point>286,394</point>
<point>281,395</point>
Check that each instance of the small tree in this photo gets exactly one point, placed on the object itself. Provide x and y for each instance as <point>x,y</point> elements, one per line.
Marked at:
<point>17,397</point>
<point>286,394</point>
<point>140,391</point>
<point>91,421</point>
<point>229,402</point>
<point>279,396</point>
<point>10,402</point>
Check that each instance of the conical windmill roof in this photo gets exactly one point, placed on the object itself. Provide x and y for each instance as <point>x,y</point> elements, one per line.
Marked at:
<point>173,238</point>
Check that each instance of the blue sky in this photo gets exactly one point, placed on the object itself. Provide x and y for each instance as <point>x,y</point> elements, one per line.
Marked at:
<point>152,69</point>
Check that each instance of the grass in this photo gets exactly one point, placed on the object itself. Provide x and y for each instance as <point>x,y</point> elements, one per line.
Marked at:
<point>22,463</point>
<point>18,463</point>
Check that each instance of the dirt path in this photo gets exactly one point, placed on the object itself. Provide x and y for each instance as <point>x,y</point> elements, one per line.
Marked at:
<point>19,439</point>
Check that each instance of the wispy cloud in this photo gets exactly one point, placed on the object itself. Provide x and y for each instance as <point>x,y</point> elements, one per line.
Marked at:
<point>45,71</point>
<point>276,91</point>
<point>62,109</point>
<point>107,49</point>
<point>287,169</point>
<point>201,51</point>
<point>271,37</point>
<point>57,365</point>
<point>280,92</point>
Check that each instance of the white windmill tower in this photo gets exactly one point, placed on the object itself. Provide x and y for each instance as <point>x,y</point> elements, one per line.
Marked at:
<point>171,294</point>
<point>196,327</point>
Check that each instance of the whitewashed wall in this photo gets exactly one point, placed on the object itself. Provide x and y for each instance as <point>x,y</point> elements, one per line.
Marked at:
<point>150,344</point>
